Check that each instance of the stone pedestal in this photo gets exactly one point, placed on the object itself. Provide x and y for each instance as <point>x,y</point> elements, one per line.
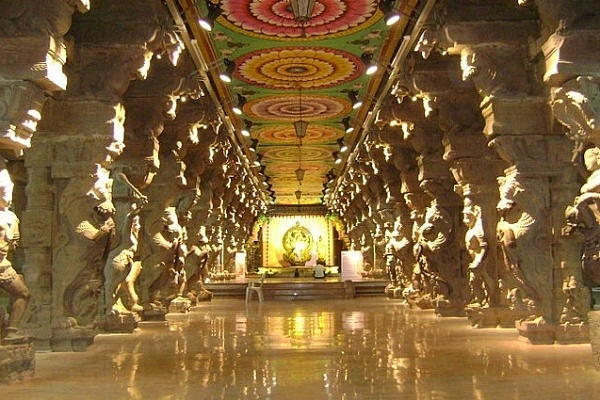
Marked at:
<point>179,305</point>
<point>393,292</point>
<point>445,308</point>
<point>594,327</point>
<point>121,323</point>
<point>154,314</point>
<point>507,317</point>
<point>535,332</point>
<point>572,333</point>
<point>17,362</point>
<point>72,339</point>
<point>493,317</point>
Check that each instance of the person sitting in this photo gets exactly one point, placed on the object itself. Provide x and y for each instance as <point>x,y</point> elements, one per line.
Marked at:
<point>319,271</point>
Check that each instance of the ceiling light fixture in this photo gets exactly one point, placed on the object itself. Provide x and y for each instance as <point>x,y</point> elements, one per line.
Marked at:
<point>300,173</point>
<point>256,162</point>
<point>239,108</point>
<point>347,127</point>
<point>343,147</point>
<point>300,126</point>
<point>302,9</point>
<point>370,65</point>
<point>253,145</point>
<point>227,75</point>
<point>353,96</point>
<point>246,129</point>
<point>208,22</point>
<point>337,158</point>
<point>298,194</point>
<point>391,16</point>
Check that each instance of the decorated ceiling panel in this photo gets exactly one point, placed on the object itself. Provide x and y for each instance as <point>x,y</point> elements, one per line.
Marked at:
<point>287,69</point>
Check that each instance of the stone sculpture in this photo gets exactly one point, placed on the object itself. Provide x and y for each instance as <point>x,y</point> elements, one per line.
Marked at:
<point>196,268</point>
<point>122,266</point>
<point>584,216</point>
<point>10,281</point>
<point>518,238</point>
<point>90,230</point>
<point>430,251</point>
<point>399,259</point>
<point>162,266</point>
<point>481,284</point>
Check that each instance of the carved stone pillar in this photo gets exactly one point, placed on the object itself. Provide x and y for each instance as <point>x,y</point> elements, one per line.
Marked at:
<point>475,171</point>
<point>81,132</point>
<point>61,253</point>
<point>32,54</point>
<point>567,48</point>
<point>525,230</point>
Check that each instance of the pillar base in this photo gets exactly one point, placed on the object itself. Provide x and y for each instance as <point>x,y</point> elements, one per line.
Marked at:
<point>154,314</point>
<point>17,361</point>
<point>535,332</point>
<point>120,323</point>
<point>594,327</point>
<point>572,333</point>
<point>179,305</point>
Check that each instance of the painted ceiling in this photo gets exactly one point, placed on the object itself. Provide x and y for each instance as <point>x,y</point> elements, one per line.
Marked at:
<point>286,71</point>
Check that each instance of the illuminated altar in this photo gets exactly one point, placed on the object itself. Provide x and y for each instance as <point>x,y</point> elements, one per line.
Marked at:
<point>294,240</point>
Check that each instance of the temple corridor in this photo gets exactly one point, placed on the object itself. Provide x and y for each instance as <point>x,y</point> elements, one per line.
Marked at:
<point>364,348</point>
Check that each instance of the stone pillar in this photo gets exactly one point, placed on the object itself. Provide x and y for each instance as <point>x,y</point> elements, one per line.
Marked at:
<point>33,51</point>
<point>476,170</point>
<point>567,47</point>
<point>81,134</point>
<point>525,227</point>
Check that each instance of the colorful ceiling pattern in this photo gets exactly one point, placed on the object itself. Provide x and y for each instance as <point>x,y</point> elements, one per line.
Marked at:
<point>287,71</point>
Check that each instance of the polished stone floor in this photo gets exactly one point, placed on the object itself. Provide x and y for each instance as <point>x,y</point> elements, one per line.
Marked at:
<point>365,348</point>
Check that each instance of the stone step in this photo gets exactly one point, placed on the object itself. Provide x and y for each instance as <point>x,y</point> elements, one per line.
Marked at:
<point>306,290</point>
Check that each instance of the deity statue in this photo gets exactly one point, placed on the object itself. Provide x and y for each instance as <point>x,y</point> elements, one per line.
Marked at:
<point>297,244</point>
<point>88,217</point>
<point>434,237</point>
<point>399,257</point>
<point>196,268</point>
<point>481,284</point>
<point>122,267</point>
<point>576,304</point>
<point>584,216</point>
<point>10,281</point>
<point>163,268</point>
<point>517,236</point>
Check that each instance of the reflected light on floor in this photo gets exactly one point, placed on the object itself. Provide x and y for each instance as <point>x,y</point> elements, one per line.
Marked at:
<point>366,348</point>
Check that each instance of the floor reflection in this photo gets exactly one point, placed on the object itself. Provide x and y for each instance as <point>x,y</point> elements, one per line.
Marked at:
<point>347,349</point>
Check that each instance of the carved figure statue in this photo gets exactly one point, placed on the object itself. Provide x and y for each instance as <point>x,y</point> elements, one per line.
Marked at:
<point>581,218</point>
<point>196,267</point>
<point>591,159</point>
<point>481,285</point>
<point>10,281</point>
<point>380,242</point>
<point>576,304</point>
<point>434,238</point>
<point>88,214</point>
<point>163,266</point>
<point>518,236</point>
<point>122,269</point>
<point>297,244</point>
<point>584,217</point>
<point>399,256</point>
<point>366,248</point>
